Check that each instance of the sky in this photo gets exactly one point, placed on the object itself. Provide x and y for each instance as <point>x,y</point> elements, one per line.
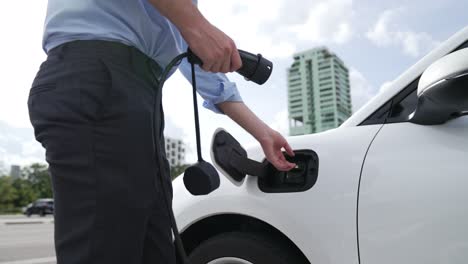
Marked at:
<point>377,40</point>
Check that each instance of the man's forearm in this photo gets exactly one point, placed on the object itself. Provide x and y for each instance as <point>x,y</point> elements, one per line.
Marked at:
<point>243,116</point>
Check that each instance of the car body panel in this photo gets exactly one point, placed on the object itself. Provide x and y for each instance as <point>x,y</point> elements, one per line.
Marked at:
<point>412,206</point>
<point>320,221</point>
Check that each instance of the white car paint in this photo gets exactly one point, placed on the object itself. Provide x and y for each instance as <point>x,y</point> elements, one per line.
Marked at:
<point>413,195</point>
<point>447,67</point>
<point>322,221</point>
<point>327,211</point>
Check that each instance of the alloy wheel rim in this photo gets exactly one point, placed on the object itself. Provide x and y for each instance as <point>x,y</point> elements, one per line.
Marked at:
<point>229,260</point>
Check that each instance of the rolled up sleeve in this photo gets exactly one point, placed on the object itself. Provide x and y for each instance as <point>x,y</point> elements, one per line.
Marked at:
<point>214,88</point>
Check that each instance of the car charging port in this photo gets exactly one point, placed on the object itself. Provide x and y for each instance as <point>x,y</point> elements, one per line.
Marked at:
<point>232,158</point>
<point>299,179</point>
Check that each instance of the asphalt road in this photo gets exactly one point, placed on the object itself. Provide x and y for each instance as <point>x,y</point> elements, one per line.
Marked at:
<point>26,240</point>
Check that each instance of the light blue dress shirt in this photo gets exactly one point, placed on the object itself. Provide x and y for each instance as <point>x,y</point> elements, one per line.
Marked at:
<point>136,23</point>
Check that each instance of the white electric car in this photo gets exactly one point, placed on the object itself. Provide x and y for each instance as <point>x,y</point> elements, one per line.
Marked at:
<point>390,185</point>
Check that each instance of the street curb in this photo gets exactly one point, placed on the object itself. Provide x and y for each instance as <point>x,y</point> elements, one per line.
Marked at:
<point>25,222</point>
<point>32,261</point>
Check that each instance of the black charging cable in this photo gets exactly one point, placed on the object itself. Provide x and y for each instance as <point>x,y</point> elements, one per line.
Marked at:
<point>200,178</point>
<point>195,112</point>
<point>157,148</point>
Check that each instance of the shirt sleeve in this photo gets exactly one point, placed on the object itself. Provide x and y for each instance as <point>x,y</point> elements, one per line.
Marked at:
<point>214,88</point>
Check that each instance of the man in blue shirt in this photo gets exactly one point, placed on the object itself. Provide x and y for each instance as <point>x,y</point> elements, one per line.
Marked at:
<point>92,105</point>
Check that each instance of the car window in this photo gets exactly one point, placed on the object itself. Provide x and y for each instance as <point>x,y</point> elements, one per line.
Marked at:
<point>396,109</point>
<point>462,46</point>
<point>404,104</point>
<point>379,116</point>
<point>399,108</point>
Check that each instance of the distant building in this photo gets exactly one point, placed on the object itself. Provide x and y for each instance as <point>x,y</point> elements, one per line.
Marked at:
<point>15,171</point>
<point>175,151</point>
<point>318,92</point>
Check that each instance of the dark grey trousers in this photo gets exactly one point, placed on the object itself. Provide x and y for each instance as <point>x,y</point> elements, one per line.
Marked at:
<point>92,105</point>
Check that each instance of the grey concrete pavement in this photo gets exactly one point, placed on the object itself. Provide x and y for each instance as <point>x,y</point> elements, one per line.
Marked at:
<point>20,216</point>
<point>15,216</point>
<point>26,243</point>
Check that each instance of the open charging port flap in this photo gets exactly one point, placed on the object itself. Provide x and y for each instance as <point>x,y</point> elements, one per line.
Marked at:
<point>231,158</point>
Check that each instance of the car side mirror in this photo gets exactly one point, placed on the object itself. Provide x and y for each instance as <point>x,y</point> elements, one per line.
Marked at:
<point>443,90</point>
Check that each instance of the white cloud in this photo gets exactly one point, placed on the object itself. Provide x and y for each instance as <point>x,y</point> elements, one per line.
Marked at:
<point>328,21</point>
<point>387,32</point>
<point>245,27</point>
<point>21,54</point>
<point>18,146</point>
<point>277,27</point>
<point>280,122</point>
<point>361,90</point>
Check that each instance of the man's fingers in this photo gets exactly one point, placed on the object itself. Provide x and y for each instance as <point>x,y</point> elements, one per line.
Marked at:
<point>222,64</point>
<point>236,61</point>
<point>225,68</point>
<point>281,162</point>
<point>207,66</point>
<point>284,165</point>
<point>280,165</point>
<point>288,164</point>
<point>215,67</point>
<point>289,150</point>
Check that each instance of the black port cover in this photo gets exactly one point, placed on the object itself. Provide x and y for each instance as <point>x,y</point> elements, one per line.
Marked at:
<point>224,146</point>
<point>232,158</point>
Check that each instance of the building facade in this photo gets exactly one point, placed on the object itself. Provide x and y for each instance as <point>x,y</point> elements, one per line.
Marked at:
<point>15,171</point>
<point>319,95</point>
<point>175,151</point>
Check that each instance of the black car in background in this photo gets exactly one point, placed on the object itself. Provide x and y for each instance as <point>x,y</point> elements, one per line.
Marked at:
<point>41,207</point>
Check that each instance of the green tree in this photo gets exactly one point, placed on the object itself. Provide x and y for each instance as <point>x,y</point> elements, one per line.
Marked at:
<point>8,194</point>
<point>25,192</point>
<point>38,176</point>
<point>178,170</point>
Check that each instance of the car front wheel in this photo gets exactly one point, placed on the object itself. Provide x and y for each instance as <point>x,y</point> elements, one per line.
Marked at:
<point>243,248</point>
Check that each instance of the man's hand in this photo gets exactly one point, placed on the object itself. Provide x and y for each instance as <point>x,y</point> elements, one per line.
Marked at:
<point>272,145</point>
<point>216,50</point>
<point>271,141</point>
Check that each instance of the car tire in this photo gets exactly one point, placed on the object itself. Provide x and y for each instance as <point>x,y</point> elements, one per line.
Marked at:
<point>42,213</point>
<point>243,248</point>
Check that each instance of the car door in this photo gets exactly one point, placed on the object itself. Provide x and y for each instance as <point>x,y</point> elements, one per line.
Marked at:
<point>412,198</point>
